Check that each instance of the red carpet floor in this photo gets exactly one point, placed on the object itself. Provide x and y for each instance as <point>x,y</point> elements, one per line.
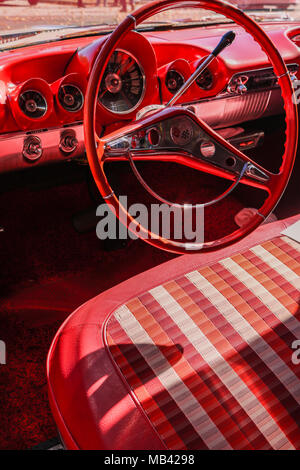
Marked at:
<point>47,270</point>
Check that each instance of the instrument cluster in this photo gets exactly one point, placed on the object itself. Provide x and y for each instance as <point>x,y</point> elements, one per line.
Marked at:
<point>209,83</point>
<point>36,101</point>
<point>42,118</point>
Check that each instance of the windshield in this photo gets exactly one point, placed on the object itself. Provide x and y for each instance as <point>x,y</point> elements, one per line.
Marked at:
<point>24,22</point>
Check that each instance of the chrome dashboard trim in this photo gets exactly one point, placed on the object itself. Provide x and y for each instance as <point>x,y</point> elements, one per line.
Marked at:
<point>225,93</point>
<point>12,144</point>
<point>282,75</point>
<point>235,109</point>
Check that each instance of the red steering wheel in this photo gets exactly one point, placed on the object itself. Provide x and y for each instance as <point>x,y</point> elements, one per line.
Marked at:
<point>243,169</point>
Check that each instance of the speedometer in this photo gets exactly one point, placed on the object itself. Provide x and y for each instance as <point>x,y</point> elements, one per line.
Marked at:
<point>123,83</point>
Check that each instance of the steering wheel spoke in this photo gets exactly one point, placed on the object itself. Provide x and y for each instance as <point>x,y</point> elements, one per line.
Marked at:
<point>234,160</point>
<point>177,135</point>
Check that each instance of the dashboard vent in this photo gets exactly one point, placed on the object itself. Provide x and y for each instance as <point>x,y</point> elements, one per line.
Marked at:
<point>33,104</point>
<point>70,98</point>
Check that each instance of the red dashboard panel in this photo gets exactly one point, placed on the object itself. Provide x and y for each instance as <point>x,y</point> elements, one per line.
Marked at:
<point>35,80</point>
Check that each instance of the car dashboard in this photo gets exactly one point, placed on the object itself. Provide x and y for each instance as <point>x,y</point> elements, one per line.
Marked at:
<point>42,87</point>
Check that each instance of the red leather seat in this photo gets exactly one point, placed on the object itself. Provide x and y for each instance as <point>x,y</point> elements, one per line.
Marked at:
<point>193,354</point>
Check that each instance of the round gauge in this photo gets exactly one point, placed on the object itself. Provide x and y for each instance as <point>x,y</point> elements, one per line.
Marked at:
<point>205,80</point>
<point>123,83</point>
<point>181,131</point>
<point>33,104</point>
<point>174,81</point>
<point>70,98</point>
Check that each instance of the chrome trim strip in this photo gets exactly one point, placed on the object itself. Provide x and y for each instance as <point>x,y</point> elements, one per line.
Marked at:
<point>109,195</point>
<point>224,92</point>
<point>280,76</point>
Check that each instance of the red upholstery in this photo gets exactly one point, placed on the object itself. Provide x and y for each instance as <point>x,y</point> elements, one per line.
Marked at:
<point>203,360</point>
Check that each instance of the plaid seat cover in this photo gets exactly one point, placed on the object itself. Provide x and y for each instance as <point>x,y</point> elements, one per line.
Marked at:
<point>209,356</point>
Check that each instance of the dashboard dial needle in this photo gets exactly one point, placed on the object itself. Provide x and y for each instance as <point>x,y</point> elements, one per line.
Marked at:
<point>225,41</point>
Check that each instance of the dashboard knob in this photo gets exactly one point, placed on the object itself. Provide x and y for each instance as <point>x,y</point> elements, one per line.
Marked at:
<point>68,142</point>
<point>238,85</point>
<point>32,148</point>
<point>241,89</point>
